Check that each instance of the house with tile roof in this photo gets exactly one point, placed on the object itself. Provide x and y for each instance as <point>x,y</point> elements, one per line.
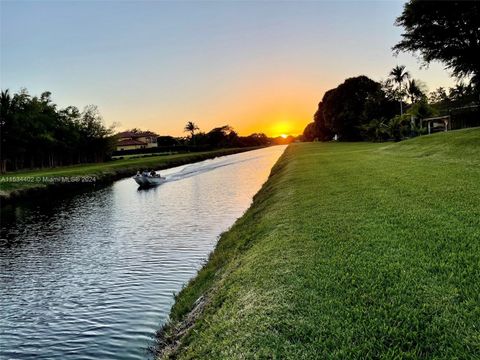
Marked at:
<point>133,140</point>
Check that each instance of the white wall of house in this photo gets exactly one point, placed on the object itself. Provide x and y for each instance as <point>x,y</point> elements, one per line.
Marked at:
<point>130,147</point>
<point>150,141</point>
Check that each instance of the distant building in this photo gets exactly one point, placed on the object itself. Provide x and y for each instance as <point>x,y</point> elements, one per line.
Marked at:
<point>439,123</point>
<point>132,140</point>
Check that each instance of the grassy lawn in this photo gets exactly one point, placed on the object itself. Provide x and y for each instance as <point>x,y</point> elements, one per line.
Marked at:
<point>350,251</point>
<point>21,178</point>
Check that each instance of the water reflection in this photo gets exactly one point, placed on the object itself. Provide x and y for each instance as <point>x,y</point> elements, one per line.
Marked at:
<point>92,276</point>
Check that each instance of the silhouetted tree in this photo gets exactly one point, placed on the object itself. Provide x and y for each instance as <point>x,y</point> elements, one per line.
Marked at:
<point>438,95</point>
<point>191,127</point>
<point>6,122</point>
<point>352,104</point>
<point>348,109</point>
<point>310,132</point>
<point>167,141</point>
<point>399,75</point>
<point>447,31</point>
<point>256,139</point>
<point>414,91</point>
<point>35,134</point>
<point>323,130</point>
<point>456,98</point>
<point>222,136</point>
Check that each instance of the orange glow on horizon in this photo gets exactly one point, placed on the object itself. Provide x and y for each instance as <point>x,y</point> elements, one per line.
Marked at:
<point>265,103</point>
<point>274,125</point>
<point>270,127</point>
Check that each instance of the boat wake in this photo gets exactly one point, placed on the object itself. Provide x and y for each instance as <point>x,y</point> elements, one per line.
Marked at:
<point>195,169</point>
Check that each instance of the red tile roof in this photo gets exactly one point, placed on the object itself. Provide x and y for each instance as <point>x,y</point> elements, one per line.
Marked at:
<point>125,134</point>
<point>129,142</point>
<point>130,134</point>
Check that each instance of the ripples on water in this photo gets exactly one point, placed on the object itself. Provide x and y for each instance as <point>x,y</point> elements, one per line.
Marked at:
<point>92,276</point>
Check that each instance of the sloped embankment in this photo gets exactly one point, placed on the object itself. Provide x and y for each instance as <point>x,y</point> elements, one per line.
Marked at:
<point>350,250</point>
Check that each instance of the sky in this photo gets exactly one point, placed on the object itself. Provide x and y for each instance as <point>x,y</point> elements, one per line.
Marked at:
<point>256,66</point>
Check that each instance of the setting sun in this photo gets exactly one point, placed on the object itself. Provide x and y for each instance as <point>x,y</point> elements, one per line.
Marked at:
<point>283,128</point>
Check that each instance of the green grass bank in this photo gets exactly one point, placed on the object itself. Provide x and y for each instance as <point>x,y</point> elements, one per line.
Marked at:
<point>349,251</point>
<point>23,184</point>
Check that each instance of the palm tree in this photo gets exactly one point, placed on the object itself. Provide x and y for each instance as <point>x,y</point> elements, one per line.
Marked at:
<point>399,75</point>
<point>5,103</point>
<point>414,91</point>
<point>191,127</point>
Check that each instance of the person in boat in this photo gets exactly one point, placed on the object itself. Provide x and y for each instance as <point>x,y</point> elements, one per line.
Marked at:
<point>153,173</point>
<point>138,173</point>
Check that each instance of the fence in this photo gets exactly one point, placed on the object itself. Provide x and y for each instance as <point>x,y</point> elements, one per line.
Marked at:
<point>464,117</point>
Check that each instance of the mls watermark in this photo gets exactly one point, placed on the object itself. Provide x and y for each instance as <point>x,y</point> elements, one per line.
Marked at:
<point>48,179</point>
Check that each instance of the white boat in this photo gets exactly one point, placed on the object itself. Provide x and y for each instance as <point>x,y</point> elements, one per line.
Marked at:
<point>149,179</point>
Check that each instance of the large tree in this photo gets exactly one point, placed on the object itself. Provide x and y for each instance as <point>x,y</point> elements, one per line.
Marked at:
<point>322,130</point>
<point>311,132</point>
<point>445,31</point>
<point>352,104</point>
<point>223,136</point>
<point>346,109</point>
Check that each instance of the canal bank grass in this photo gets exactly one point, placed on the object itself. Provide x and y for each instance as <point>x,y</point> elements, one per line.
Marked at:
<point>349,251</point>
<point>21,183</point>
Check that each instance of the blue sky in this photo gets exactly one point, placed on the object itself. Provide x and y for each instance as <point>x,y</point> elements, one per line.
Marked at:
<point>258,66</point>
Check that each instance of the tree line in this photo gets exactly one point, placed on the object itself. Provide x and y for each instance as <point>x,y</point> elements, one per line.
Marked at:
<point>223,137</point>
<point>219,137</point>
<point>35,133</point>
<point>363,109</point>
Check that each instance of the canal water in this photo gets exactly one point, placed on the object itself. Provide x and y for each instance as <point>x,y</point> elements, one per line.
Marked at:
<point>93,276</point>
